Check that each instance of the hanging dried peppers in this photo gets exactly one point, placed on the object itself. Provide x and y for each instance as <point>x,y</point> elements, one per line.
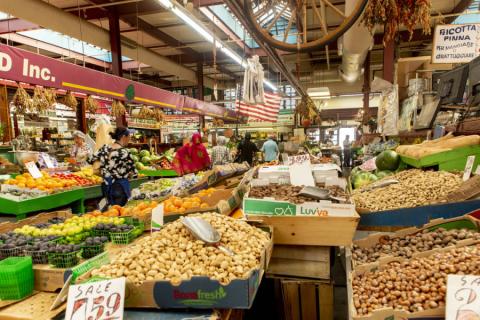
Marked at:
<point>394,13</point>
<point>91,104</point>
<point>70,101</point>
<point>22,101</point>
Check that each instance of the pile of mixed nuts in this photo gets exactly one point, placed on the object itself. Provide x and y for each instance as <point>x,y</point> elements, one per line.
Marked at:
<point>408,245</point>
<point>173,254</point>
<point>415,188</point>
<point>413,285</point>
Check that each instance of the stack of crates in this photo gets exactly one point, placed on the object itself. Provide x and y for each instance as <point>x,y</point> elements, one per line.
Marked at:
<point>16,278</point>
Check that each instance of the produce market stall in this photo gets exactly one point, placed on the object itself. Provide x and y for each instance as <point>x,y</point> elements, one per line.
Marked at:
<point>73,198</point>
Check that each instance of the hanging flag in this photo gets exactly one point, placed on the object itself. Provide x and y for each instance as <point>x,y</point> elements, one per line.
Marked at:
<point>267,111</point>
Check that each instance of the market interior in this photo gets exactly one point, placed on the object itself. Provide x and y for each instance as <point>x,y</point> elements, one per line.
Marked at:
<point>236,159</point>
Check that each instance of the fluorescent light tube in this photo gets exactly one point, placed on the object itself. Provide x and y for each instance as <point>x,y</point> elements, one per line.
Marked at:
<point>166,3</point>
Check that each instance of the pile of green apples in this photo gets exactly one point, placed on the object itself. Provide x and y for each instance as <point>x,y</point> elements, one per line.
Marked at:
<point>73,230</point>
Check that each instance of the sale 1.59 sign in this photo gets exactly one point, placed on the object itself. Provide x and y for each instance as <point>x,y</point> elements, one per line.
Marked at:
<point>102,300</point>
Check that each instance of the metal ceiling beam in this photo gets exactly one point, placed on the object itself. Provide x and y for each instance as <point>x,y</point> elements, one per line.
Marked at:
<point>237,8</point>
<point>64,22</point>
<point>16,25</point>
<point>171,41</point>
<point>459,8</point>
<point>54,49</point>
<point>142,8</point>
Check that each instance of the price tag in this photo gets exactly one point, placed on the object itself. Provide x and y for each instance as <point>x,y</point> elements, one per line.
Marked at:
<point>463,297</point>
<point>477,171</point>
<point>102,300</point>
<point>300,159</point>
<point>48,161</point>
<point>157,218</point>
<point>33,169</point>
<point>468,168</point>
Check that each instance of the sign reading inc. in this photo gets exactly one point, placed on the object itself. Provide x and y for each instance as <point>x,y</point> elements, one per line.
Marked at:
<point>456,43</point>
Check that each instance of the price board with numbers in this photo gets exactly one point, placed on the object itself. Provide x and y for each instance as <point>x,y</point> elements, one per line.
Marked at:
<point>101,300</point>
<point>463,297</point>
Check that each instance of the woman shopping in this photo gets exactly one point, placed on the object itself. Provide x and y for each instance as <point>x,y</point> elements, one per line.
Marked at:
<point>192,157</point>
<point>116,167</point>
<point>81,150</point>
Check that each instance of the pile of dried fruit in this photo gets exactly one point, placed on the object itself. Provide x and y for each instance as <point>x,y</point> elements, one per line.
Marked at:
<point>173,254</point>
<point>408,245</point>
<point>413,285</point>
<point>415,188</point>
<point>281,192</point>
<point>396,13</point>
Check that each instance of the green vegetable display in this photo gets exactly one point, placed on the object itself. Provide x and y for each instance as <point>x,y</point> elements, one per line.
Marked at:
<point>387,160</point>
<point>362,179</point>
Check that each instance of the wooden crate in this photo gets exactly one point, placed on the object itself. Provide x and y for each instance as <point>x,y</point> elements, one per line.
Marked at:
<point>300,261</point>
<point>305,299</point>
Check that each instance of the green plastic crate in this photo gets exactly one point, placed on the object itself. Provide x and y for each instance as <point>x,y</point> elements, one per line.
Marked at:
<point>90,251</point>
<point>14,252</point>
<point>16,278</point>
<point>101,233</point>
<point>64,260</point>
<point>90,264</point>
<point>38,257</point>
<point>453,160</point>
<point>122,237</point>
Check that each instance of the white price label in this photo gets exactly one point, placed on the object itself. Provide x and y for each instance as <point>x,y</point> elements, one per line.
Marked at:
<point>100,300</point>
<point>33,170</point>
<point>48,161</point>
<point>463,297</point>
<point>300,159</point>
<point>468,168</point>
<point>157,218</point>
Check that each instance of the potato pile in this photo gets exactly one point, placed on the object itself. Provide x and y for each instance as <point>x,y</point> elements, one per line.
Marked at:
<point>413,285</point>
<point>408,245</point>
<point>415,188</point>
<point>281,192</point>
<point>173,254</point>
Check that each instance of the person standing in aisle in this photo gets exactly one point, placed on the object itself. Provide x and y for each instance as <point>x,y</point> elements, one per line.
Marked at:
<point>192,157</point>
<point>270,150</point>
<point>246,150</point>
<point>80,151</point>
<point>220,153</point>
<point>116,167</point>
<point>347,151</point>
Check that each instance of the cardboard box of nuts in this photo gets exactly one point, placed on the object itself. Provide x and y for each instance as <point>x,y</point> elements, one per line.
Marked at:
<point>412,242</point>
<point>405,289</point>
<point>300,221</point>
<point>157,281</point>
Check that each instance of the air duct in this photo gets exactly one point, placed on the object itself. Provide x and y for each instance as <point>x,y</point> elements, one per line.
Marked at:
<point>355,44</point>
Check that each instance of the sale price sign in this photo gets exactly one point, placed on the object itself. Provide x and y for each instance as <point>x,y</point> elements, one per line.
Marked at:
<point>102,300</point>
<point>463,297</point>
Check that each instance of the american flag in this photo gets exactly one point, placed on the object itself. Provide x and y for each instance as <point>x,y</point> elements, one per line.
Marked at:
<point>264,112</point>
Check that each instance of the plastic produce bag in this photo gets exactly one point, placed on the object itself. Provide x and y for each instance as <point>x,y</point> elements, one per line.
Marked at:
<point>388,110</point>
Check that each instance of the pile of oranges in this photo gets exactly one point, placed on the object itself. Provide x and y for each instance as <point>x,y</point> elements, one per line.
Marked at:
<point>181,205</point>
<point>141,210</point>
<point>45,183</point>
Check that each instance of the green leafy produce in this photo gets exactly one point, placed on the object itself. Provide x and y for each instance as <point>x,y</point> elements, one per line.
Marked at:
<point>133,151</point>
<point>140,166</point>
<point>363,178</point>
<point>144,153</point>
<point>383,174</point>
<point>135,158</point>
<point>387,160</point>
<point>146,160</point>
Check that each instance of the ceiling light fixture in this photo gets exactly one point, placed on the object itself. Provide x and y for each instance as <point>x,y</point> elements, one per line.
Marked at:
<point>196,25</point>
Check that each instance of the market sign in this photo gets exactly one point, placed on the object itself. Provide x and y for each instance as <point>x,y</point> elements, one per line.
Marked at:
<point>24,66</point>
<point>456,43</point>
<point>463,297</point>
<point>100,300</point>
